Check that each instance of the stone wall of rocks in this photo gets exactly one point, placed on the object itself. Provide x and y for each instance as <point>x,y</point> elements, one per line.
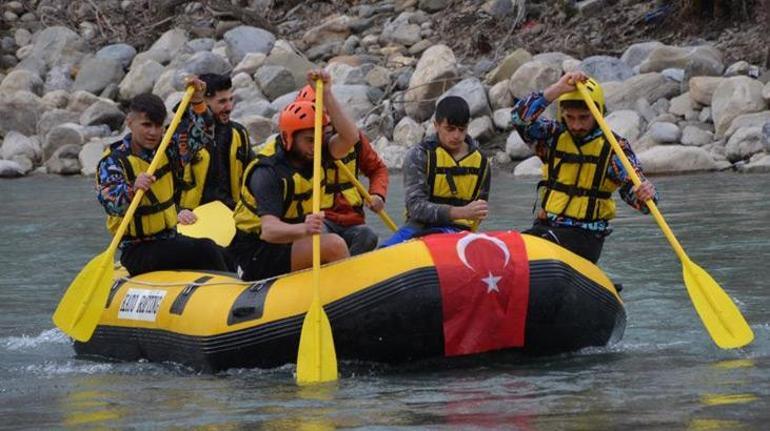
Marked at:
<point>681,107</point>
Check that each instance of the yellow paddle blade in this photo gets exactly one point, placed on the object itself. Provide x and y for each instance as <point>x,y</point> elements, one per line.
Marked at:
<point>719,314</point>
<point>316,359</point>
<point>215,221</point>
<point>81,306</point>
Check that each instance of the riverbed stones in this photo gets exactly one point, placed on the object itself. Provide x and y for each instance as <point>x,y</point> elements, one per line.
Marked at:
<point>436,72</point>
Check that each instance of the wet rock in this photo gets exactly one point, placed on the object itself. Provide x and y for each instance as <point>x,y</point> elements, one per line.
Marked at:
<point>676,159</point>
<point>435,72</point>
<point>733,97</point>
<point>96,74</point>
<point>243,39</point>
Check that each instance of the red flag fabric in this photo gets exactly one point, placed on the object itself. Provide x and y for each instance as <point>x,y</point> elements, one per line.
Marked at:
<point>484,281</point>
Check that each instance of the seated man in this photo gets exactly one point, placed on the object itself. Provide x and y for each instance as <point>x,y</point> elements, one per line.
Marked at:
<point>580,171</point>
<point>346,217</point>
<point>151,241</point>
<point>274,216</point>
<point>446,178</point>
<point>216,170</point>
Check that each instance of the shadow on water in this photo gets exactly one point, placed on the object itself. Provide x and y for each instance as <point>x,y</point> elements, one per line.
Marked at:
<point>665,374</point>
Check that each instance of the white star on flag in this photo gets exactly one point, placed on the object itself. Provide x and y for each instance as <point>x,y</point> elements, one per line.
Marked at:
<point>491,282</point>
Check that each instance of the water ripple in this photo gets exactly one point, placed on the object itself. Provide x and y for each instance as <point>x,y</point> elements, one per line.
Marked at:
<point>26,342</point>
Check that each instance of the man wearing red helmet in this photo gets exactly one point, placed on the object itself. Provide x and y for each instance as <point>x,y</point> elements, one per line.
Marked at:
<point>346,216</point>
<point>274,215</point>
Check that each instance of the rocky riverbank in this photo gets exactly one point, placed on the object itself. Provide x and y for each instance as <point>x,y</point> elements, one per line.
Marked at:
<point>683,108</point>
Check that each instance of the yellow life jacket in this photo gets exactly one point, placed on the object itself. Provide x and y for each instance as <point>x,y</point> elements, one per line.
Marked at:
<point>575,180</point>
<point>454,182</point>
<point>297,191</point>
<point>156,211</point>
<point>194,175</point>
<point>338,182</point>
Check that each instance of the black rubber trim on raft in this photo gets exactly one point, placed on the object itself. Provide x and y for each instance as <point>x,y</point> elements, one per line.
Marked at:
<point>113,290</point>
<point>181,300</point>
<point>250,304</point>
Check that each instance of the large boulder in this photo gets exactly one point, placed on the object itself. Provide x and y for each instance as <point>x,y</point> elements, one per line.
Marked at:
<point>121,52</point>
<point>626,123</point>
<point>744,143</point>
<point>649,86</point>
<point>516,148</point>
<point>500,95</point>
<point>706,59</point>
<point>206,62</point>
<point>166,47</point>
<point>702,88</point>
<point>532,167</point>
<point>67,134</point>
<point>79,101</point>
<point>64,161</point>
<point>759,166</point>
<point>533,76</point>
<point>555,59</point>
<point>16,144</point>
<point>354,98</point>
<point>274,81</point>
<point>664,133</point>
<point>103,112</point>
<point>435,72</point>
<point>250,63</point>
<point>733,97</point>
<point>473,92</point>
<point>245,39</point>
<point>481,129</point>
<point>509,65</point>
<point>636,53</point>
<point>10,169</point>
<point>695,136</point>
<point>335,29</point>
<point>57,45</point>
<point>55,117</point>
<point>407,132</point>
<point>295,63</point>
<point>20,112</point>
<point>666,159</point>
<point>91,153</point>
<point>604,68</point>
<point>140,79</point>
<point>755,119</point>
<point>96,73</point>
<point>21,80</point>
<point>502,119</point>
<point>259,127</point>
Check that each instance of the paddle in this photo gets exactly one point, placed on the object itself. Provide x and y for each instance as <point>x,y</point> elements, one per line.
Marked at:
<point>362,190</point>
<point>215,221</point>
<point>316,358</point>
<point>719,314</point>
<point>81,306</point>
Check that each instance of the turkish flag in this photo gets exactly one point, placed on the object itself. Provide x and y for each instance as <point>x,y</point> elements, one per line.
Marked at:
<point>484,280</point>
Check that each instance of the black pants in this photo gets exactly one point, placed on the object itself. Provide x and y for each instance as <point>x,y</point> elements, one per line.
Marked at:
<point>180,252</point>
<point>360,238</point>
<point>256,259</point>
<point>579,241</point>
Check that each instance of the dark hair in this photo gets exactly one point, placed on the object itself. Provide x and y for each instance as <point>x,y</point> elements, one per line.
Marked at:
<point>573,104</point>
<point>150,105</point>
<point>216,82</point>
<point>454,110</point>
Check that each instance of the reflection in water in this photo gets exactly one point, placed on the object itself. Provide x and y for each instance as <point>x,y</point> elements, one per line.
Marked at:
<point>90,407</point>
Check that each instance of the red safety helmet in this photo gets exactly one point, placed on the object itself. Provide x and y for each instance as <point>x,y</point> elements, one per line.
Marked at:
<point>295,117</point>
<point>307,94</point>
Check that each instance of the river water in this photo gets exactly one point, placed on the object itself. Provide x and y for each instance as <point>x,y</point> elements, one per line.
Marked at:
<point>665,373</point>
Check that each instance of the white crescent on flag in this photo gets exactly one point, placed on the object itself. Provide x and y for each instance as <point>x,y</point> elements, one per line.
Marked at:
<point>465,241</point>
